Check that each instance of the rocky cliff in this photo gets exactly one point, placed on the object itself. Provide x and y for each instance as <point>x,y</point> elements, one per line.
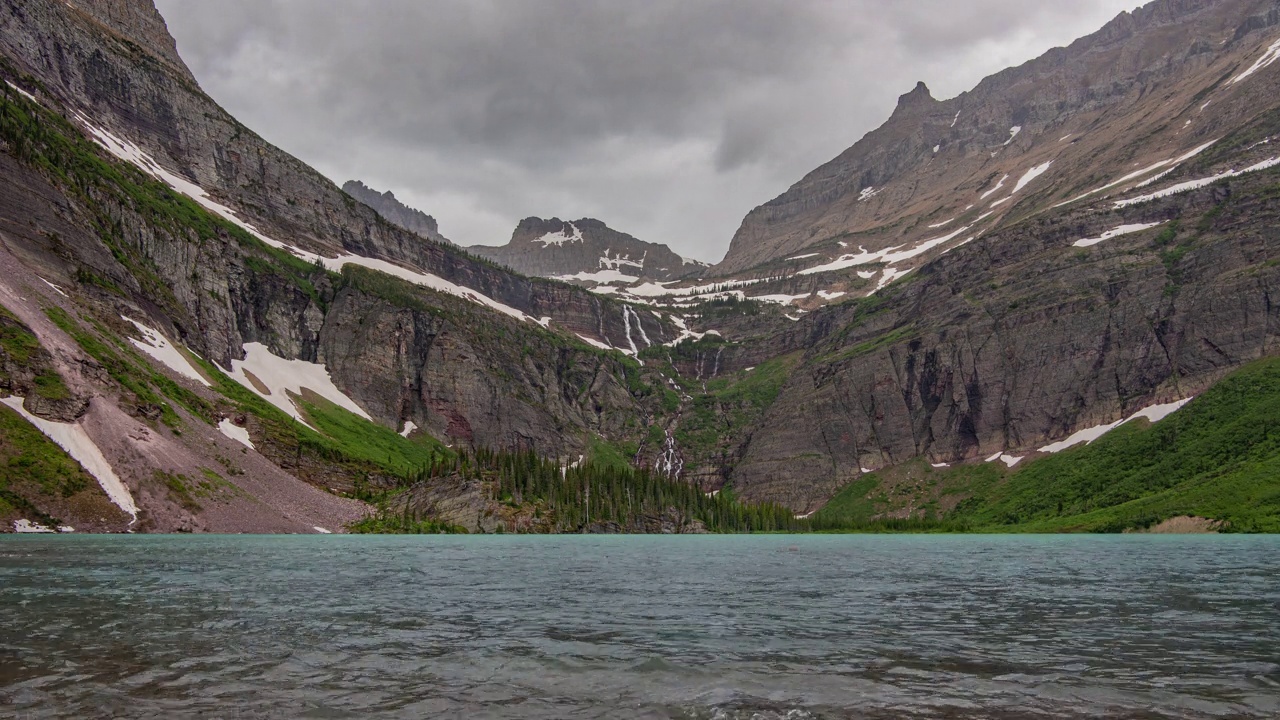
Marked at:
<point>1021,141</point>
<point>247,347</point>
<point>396,212</point>
<point>125,192</point>
<point>586,252</point>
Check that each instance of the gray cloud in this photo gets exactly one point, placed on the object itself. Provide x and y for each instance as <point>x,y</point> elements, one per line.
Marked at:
<point>667,119</point>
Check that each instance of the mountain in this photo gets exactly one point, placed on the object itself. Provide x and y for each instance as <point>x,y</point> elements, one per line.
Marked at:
<point>201,333</point>
<point>225,339</point>
<point>395,212</point>
<point>1075,239</point>
<point>1150,87</point>
<point>586,252</point>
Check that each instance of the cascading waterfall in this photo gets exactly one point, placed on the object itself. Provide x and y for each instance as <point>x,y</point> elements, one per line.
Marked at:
<point>627,314</point>
<point>669,462</point>
<point>626,323</point>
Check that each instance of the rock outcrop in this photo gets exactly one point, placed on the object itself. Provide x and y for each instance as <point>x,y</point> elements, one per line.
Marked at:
<point>396,212</point>
<point>587,252</point>
<point>1107,104</point>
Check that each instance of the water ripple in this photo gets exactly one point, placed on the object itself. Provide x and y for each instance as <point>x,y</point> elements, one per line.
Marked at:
<point>945,628</point>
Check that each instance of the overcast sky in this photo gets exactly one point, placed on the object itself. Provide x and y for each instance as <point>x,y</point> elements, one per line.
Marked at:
<point>667,119</point>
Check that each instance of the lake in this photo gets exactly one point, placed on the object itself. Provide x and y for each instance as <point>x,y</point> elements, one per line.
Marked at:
<point>849,626</point>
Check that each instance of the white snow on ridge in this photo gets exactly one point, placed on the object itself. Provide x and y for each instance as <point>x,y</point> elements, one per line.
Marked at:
<point>806,255</point>
<point>1006,459</point>
<point>1030,175</point>
<point>955,119</point>
<point>409,427</point>
<point>941,224</point>
<point>1144,171</point>
<point>560,238</point>
<point>1013,133</point>
<point>868,193</point>
<point>993,190</point>
<point>779,298</point>
<point>73,438</point>
<point>22,92</point>
<point>55,287</point>
<point>1269,56</point>
<point>160,349</point>
<point>131,153</point>
<point>281,376</point>
<point>600,276</point>
<point>1194,184</point>
<point>235,432</point>
<point>594,343</point>
<point>1153,413</point>
<point>1115,232</point>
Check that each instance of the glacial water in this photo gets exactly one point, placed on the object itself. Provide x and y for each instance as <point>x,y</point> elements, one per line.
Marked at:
<point>640,627</point>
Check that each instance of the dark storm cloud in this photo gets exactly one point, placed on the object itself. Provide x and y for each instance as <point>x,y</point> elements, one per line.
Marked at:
<point>668,119</point>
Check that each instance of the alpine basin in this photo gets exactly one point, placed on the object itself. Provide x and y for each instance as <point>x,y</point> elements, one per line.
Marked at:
<point>653,627</point>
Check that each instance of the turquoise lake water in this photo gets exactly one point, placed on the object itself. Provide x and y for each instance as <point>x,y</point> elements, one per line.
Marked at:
<point>956,627</point>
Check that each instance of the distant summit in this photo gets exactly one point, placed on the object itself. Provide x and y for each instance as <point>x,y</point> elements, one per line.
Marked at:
<point>587,252</point>
<point>395,212</point>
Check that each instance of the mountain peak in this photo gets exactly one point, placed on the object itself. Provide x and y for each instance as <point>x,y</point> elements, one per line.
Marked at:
<point>919,95</point>
<point>394,211</point>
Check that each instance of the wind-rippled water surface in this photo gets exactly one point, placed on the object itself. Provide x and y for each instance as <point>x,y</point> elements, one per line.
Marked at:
<point>650,627</point>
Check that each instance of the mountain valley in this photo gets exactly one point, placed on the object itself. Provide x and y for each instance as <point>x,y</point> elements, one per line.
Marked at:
<point>1042,305</point>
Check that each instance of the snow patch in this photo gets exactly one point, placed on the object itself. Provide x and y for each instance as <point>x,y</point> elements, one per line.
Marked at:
<point>936,148</point>
<point>593,342</point>
<point>868,193</point>
<point>806,255</point>
<point>235,432</point>
<point>600,276</point>
<point>1144,171</point>
<point>993,190</point>
<point>72,438</point>
<point>939,465</point>
<point>1153,413</point>
<point>1194,184</point>
<point>161,350</point>
<point>1115,232</point>
<point>560,238</point>
<point>321,530</point>
<point>55,287</point>
<point>831,294</point>
<point>281,377</point>
<point>25,526</point>
<point>131,153</point>
<point>409,427</point>
<point>942,224</point>
<point>1269,56</point>
<point>1013,133</point>
<point>1030,175</point>
<point>954,119</point>
<point>22,92</point>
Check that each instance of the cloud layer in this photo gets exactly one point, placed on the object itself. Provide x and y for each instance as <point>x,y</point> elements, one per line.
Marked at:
<point>667,119</point>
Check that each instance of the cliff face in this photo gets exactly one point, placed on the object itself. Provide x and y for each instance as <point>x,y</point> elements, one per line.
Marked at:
<point>586,252</point>
<point>1089,110</point>
<point>126,192</point>
<point>1093,234</point>
<point>396,212</point>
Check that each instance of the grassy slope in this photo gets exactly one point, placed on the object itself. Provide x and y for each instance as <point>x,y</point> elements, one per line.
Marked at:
<point>1218,457</point>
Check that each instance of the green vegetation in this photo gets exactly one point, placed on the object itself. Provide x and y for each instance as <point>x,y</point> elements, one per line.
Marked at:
<point>402,524</point>
<point>130,371</point>
<point>361,439</point>
<point>33,467</point>
<point>572,499</point>
<point>19,347</point>
<point>732,402</point>
<point>1218,457</point>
